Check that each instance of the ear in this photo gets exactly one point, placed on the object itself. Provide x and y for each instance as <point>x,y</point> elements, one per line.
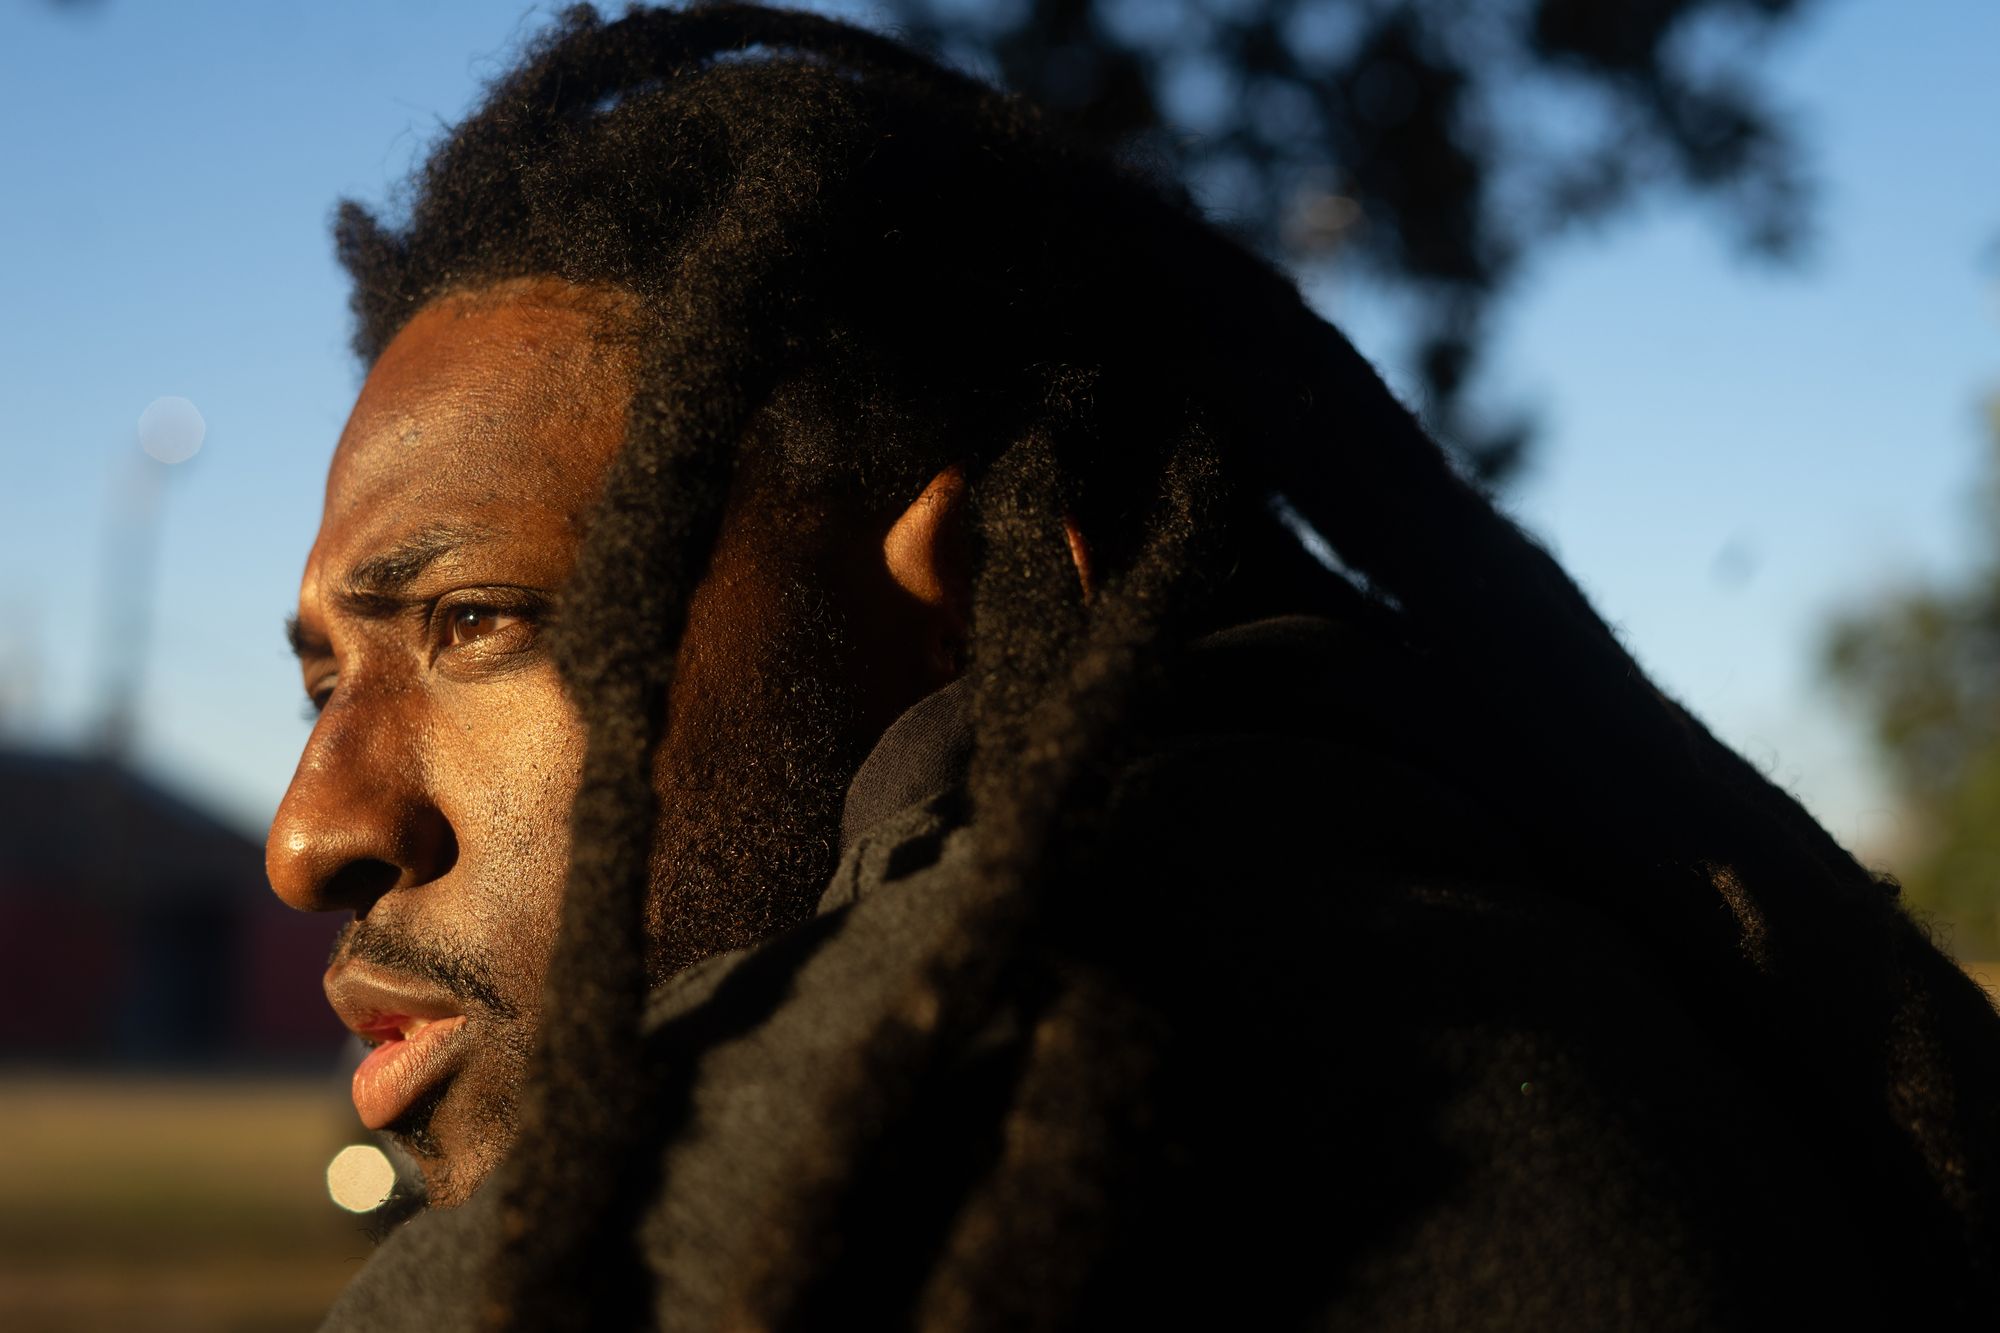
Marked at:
<point>928,552</point>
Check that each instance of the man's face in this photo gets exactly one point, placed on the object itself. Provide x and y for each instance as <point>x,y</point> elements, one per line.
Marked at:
<point>433,797</point>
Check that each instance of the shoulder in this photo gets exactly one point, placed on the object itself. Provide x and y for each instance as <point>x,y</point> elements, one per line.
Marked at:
<point>1413,1067</point>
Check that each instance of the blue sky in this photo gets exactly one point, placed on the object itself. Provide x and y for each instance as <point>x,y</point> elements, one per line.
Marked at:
<point>1731,452</point>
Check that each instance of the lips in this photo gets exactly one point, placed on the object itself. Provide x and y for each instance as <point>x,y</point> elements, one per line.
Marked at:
<point>403,1068</point>
<point>416,1030</point>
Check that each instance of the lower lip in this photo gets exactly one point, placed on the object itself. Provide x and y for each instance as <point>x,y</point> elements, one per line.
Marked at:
<point>399,1071</point>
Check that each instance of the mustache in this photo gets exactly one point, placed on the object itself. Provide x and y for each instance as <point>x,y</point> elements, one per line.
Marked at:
<point>465,976</point>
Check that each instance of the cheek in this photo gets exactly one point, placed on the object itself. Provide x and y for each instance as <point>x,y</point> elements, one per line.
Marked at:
<point>508,768</point>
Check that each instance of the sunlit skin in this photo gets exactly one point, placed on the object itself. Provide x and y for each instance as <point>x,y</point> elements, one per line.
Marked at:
<point>432,799</point>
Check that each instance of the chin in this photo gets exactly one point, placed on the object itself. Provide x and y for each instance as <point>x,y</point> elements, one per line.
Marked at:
<point>452,1178</point>
<point>448,1182</point>
<point>455,1151</point>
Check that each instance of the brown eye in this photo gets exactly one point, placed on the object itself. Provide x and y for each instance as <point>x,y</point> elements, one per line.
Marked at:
<point>466,623</point>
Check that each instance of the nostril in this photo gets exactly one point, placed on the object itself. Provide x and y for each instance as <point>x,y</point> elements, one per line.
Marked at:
<point>443,850</point>
<point>357,884</point>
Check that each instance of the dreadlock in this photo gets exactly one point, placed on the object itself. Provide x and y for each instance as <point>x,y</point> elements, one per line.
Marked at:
<point>875,267</point>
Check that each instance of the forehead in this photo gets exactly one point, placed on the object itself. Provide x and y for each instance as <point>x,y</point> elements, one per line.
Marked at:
<point>500,412</point>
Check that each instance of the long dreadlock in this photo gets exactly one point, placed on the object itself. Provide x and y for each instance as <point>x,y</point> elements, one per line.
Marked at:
<point>821,226</point>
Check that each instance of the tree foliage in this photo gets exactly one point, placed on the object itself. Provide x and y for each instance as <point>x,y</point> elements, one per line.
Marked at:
<point>1433,143</point>
<point>1925,667</point>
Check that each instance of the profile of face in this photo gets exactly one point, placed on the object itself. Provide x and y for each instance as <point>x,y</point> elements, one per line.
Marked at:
<point>432,800</point>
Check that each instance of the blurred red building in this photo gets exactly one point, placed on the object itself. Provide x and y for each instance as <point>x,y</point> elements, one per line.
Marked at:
<point>136,929</point>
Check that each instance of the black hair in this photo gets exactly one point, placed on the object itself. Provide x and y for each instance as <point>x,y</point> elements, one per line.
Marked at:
<point>879,266</point>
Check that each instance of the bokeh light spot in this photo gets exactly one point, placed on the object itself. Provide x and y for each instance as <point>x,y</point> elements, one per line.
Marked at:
<point>171,430</point>
<point>360,1178</point>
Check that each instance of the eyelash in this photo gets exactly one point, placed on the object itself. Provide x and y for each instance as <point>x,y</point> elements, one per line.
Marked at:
<point>444,613</point>
<point>438,621</point>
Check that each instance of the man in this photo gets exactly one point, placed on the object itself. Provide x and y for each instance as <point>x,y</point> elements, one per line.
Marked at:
<point>858,808</point>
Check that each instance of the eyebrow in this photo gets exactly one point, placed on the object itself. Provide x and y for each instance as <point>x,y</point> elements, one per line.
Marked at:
<point>375,587</point>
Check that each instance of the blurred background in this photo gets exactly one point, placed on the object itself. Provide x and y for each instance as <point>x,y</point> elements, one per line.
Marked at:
<point>1704,289</point>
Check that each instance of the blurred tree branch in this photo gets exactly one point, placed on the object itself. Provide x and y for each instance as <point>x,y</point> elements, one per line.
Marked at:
<point>1925,668</point>
<point>1434,144</point>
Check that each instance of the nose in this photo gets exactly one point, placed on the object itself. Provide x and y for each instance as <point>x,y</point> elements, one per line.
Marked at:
<point>356,823</point>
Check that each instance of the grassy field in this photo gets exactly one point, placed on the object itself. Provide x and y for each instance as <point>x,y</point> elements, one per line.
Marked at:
<point>173,1205</point>
<point>170,1205</point>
